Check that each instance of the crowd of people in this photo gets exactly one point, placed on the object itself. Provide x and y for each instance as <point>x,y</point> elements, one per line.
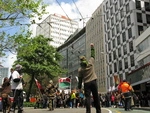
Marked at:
<point>76,99</point>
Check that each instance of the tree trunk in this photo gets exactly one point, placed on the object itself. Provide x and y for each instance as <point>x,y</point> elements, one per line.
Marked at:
<point>29,91</point>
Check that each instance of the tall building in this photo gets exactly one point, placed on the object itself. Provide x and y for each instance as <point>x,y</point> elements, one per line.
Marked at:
<point>57,27</point>
<point>124,21</point>
<point>94,34</point>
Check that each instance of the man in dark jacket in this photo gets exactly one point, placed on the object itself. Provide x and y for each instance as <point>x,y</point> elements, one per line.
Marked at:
<point>88,76</point>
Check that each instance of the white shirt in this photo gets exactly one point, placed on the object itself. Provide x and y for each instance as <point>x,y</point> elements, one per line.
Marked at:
<point>16,85</point>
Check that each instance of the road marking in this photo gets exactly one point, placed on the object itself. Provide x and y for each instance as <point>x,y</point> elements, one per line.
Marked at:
<point>107,110</point>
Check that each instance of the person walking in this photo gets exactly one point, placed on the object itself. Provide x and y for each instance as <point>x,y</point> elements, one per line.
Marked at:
<point>17,88</point>
<point>6,89</point>
<point>87,75</point>
<point>126,90</point>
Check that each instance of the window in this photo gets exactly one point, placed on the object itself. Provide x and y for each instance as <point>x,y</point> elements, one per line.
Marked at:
<point>139,17</point>
<point>109,46</point>
<point>132,60</point>
<point>114,43</point>
<point>117,28</point>
<point>121,2</point>
<point>114,54</point>
<point>122,24</point>
<point>109,57</point>
<point>138,5</point>
<point>108,26</point>
<point>116,6</point>
<point>122,13</point>
<point>117,17</point>
<point>128,20</point>
<point>107,6</point>
<point>111,11</point>
<point>113,32</point>
<point>110,2</point>
<point>110,69</point>
<point>148,18</point>
<point>131,46</point>
<point>125,49</point>
<point>118,40</point>
<point>129,33</point>
<point>140,30</point>
<point>127,8</point>
<point>108,35</point>
<point>124,36</point>
<point>112,21</point>
<point>120,65</point>
<point>126,63</point>
<point>107,15</point>
<point>147,6</point>
<point>115,67</point>
<point>119,52</point>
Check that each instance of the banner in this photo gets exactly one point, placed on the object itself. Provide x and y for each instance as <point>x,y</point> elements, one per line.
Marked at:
<point>64,83</point>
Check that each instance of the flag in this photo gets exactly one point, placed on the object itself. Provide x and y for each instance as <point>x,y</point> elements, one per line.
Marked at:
<point>38,84</point>
<point>64,83</point>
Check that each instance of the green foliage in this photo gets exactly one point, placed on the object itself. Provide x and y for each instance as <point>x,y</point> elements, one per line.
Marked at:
<point>36,55</point>
<point>17,16</point>
<point>38,58</point>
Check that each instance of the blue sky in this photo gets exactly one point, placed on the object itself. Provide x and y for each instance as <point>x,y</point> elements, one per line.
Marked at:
<point>86,8</point>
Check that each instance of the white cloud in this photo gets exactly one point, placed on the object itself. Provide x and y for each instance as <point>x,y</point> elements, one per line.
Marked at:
<point>86,8</point>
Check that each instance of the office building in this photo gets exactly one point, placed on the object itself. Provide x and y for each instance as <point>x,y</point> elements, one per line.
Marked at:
<point>124,21</point>
<point>57,27</point>
<point>94,34</point>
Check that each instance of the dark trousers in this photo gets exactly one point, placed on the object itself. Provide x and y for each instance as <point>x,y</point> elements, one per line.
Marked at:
<point>127,103</point>
<point>18,99</point>
<point>88,88</point>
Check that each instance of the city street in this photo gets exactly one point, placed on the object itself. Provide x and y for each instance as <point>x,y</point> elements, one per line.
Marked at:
<point>82,110</point>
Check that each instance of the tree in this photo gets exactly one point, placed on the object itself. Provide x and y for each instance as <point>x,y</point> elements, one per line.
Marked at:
<point>16,16</point>
<point>38,58</point>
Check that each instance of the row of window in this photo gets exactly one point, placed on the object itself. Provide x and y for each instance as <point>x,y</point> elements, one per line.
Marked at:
<point>118,65</point>
<point>121,51</point>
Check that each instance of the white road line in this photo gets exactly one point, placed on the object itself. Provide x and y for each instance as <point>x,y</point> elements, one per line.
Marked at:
<point>107,110</point>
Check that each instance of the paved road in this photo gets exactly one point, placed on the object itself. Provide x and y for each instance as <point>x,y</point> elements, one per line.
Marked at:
<point>82,110</point>
<point>62,110</point>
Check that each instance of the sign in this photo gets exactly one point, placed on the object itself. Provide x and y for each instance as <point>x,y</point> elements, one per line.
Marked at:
<point>64,83</point>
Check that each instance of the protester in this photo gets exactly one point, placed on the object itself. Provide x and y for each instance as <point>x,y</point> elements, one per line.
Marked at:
<point>51,92</point>
<point>6,89</point>
<point>88,76</point>
<point>126,90</point>
<point>17,88</point>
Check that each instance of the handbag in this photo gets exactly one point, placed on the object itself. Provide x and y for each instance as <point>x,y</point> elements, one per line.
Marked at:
<point>16,80</point>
